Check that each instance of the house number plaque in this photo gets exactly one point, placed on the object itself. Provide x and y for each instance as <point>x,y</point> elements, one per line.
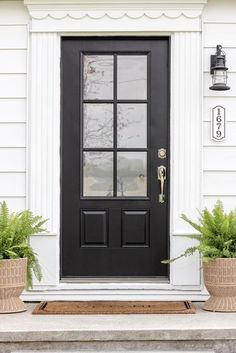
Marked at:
<point>218,123</point>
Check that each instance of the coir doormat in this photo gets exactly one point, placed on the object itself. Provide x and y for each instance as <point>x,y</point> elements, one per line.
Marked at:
<point>114,307</point>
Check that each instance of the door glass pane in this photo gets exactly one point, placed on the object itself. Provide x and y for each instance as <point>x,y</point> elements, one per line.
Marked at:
<point>98,174</point>
<point>98,125</point>
<point>132,125</point>
<point>98,76</point>
<point>131,174</point>
<point>132,77</point>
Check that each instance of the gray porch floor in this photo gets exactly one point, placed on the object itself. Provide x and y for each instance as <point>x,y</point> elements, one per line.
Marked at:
<point>201,332</point>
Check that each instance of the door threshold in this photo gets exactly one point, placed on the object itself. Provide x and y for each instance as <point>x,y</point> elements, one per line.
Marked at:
<point>93,280</point>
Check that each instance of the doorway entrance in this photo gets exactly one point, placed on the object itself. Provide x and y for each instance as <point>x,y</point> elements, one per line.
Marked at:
<point>114,157</point>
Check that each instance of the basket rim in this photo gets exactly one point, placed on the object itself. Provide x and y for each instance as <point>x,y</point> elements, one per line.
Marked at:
<point>19,259</point>
<point>220,259</point>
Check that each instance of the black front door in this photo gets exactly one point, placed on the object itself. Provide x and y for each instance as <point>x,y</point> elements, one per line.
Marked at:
<point>115,119</point>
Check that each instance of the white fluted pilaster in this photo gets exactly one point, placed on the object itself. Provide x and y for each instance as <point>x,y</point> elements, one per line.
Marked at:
<point>186,148</point>
<point>44,125</point>
<point>44,147</point>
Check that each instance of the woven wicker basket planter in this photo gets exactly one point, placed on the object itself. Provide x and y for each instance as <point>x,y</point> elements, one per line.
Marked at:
<point>220,281</point>
<point>12,283</point>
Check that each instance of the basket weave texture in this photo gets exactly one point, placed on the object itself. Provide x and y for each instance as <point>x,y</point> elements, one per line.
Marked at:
<point>220,281</point>
<point>12,283</point>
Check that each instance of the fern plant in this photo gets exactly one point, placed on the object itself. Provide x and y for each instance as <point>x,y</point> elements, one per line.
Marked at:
<point>15,231</point>
<point>216,234</point>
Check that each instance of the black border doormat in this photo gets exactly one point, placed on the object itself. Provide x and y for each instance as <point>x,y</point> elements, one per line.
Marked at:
<point>113,307</point>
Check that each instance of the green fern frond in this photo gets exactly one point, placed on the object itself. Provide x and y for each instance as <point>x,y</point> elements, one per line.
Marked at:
<point>188,252</point>
<point>193,224</point>
<point>217,234</point>
<point>4,215</point>
<point>15,232</point>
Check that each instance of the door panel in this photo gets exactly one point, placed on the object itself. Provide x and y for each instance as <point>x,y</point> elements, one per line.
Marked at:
<point>89,221</point>
<point>115,117</point>
<point>135,228</point>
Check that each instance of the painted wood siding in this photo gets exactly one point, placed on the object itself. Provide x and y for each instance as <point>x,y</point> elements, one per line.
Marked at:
<point>219,158</point>
<point>13,91</point>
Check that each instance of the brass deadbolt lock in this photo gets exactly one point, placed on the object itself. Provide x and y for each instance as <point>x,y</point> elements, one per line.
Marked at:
<point>162,153</point>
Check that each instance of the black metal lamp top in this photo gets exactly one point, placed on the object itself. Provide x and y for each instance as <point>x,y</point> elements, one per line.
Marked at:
<point>219,71</point>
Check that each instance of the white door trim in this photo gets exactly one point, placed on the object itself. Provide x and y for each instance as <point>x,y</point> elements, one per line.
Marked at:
<point>49,22</point>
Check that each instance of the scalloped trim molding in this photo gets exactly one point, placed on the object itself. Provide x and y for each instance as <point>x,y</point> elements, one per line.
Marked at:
<point>114,9</point>
<point>76,15</point>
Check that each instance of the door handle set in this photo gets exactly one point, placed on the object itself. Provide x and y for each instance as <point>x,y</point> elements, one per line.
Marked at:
<point>161,176</point>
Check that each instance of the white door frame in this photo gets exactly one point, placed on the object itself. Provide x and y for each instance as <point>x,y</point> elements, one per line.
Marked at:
<point>51,19</point>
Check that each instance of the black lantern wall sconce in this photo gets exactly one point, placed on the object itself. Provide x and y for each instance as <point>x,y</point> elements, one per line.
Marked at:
<point>219,71</point>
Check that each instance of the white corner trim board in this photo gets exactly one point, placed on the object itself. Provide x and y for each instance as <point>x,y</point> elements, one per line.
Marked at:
<point>51,19</point>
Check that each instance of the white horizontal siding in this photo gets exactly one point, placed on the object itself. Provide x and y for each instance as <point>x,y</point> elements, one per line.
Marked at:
<point>12,184</point>
<point>215,158</point>
<point>14,22</point>
<point>219,183</point>
<point>219,158</point>
<point>13,13</point>
<point>220,11</point>
<point>15,204</point>
<point>228,201</point>
<point>227,102</point>
<point>12,135</point>
<point>12,110</point>
<point>13,61</point>
<point>12,160</point>
<point>219,33</point>
<point>12,85</point>
<point>230,136</point>
<point>13,37</point>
